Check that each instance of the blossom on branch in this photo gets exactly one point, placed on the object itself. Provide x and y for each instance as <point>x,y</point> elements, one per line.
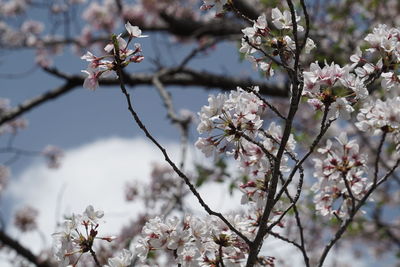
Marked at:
<point>325,86</point>
<point>134,31</point>
<point>102,66</point>
<point>381,117</point>
<point>341,180</point>
<point>283,21</point>
<point>77,236</point>
<point>196,241</point>
<point>218,4</point>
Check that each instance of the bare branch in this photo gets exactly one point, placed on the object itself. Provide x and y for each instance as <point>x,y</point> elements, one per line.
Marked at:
<point>186,77</point>
<point>34,102</point>
<point>378,157</point>
<point>21,250</point>
<point>272,107</point>
<point>307,18</point>
<point>276,235</point>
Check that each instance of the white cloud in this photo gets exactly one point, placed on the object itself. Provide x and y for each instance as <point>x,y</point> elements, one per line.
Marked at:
<point>94,173</point>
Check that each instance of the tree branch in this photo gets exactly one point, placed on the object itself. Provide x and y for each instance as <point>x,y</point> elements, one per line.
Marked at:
<point>21,250</point>
<point>186,77</point>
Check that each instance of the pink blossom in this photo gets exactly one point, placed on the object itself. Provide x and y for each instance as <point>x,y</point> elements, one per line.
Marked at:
<point>92,81</point>
<point>217,4</point>
<point>134,31</point>
<point>53,155</point>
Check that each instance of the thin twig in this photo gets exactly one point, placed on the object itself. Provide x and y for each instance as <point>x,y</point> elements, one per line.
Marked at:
<point>279,63</point>
<point>378,157</point>
<point>34,102</point>
<point>323,128</point>
<point>96,260</point>
<point>272,107</point>
<point>167,158</point>
<point>367,142</point>
<point>350,192</point>
<point>347,222</point>
<point>195,51</point>
<point>274,234</point>
<point>307,18</point>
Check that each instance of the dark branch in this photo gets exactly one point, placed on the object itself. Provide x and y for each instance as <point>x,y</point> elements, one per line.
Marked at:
<point>186,77</point>
<point>21,250</point>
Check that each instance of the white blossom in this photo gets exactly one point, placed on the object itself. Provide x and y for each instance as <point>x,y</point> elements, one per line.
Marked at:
<point>121,260</point>
<point>284,20</point>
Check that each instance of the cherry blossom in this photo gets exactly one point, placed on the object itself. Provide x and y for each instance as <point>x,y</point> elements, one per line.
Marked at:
<point>341,177</point>
<point>101,66</point>
<point>283,21</point>
<point>381,116</point>
<point>383,38</point>
<point>101,16</point>
<point>77,236</point>
<point>324,86</point>
<point>53,155</point>
<point>121,260</point>
<point>92,80</point>
<point>217,4</point>
<point>310,45</point>
<point>231,116</point>
<point>13,126</point>
<point>91,215</point>
<point>390,81</point>
<point>197,242</point>
<point>25,219</point>
<point>134,31</point>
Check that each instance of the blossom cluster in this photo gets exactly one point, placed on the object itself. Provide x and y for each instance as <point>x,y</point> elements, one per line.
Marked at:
<point>333,87</point>
<point>232,122</point>
<point>381,58</point>
<point>77,236</point>
<point>196,241</point>
<point>381,116</point>
<point>234,127</point>
<point>341,177</point>
<point>12,8</point>
<point>123,259</point>
<point>231,116</point>
<point>102,15</point>
<point>340,87</point>
<point>259,39</point>
<point>14,125</point>
<point>25,219</point>
<point>257,166</point>
<point>101,66</point>
<point>53,155</point>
